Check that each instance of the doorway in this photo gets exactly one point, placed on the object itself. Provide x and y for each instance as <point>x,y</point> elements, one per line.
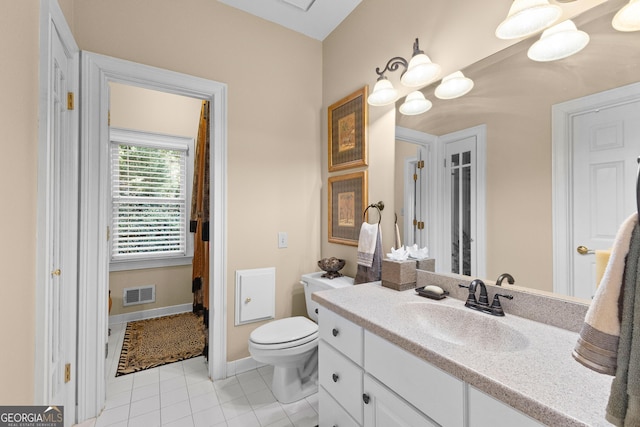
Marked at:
<point>152,145</point>
<point>98,72</point>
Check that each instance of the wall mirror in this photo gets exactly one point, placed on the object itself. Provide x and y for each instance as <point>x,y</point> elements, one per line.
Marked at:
<point>513,96</point>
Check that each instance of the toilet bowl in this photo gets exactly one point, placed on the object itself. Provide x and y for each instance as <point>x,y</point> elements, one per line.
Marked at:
<point>291,344</point>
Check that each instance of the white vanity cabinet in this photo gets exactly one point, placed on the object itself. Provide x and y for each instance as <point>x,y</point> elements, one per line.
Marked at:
<point>368,381</point>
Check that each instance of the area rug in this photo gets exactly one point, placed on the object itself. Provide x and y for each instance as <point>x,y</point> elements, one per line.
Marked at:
<point>155,342</point>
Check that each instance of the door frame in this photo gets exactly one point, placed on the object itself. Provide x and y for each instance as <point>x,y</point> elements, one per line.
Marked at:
<point>52,20</point>
<point>429,186</point>
<point>97,72</point>
<point>562,170</point>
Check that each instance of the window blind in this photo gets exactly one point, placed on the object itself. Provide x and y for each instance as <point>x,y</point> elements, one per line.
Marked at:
<point>149,201</point>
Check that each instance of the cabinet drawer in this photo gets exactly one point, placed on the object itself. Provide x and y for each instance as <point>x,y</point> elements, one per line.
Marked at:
<point>431,390</point>
<point>341,333</point>
<point>331,413</point>
<point>341,378</point>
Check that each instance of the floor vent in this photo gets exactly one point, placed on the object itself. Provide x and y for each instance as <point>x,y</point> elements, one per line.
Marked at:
<point>139,295</point>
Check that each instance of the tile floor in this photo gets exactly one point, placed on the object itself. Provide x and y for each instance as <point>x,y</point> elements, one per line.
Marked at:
<point>181,394</point>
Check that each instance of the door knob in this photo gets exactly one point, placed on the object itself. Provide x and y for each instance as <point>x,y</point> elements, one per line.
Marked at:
<point>56,272</point>
<point>583,250</point>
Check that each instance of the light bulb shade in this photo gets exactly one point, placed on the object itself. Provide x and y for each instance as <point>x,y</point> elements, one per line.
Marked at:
<point>383,93</point>
<point>453,86</point>
<point>420,71</point>
<point>628,18</point>
<point>415,103</point>
<point>560,41</point>
<point>527,17</point>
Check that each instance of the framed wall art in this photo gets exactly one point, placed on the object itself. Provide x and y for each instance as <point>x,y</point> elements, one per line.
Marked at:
<point>348,120</point>
<point>347,201</point>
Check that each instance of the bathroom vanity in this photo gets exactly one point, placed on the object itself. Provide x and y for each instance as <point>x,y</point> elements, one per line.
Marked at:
<point>390,357</point>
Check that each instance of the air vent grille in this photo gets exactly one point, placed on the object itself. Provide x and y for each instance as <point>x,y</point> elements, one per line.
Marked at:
<point>139,295</point>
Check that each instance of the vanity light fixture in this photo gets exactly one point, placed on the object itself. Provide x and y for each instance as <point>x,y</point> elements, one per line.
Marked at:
<point>527,17</point>
<point>415,103</point>
<point>560,41</point>
<point>453,86</point>
<point>419,71</point>
<point>628,18</point>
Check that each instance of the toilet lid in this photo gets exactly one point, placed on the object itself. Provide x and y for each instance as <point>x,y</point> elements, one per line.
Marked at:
<point>284,330</point>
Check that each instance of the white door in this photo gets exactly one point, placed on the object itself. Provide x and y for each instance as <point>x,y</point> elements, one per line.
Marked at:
<point>58,206</point>
<point>606,146</point>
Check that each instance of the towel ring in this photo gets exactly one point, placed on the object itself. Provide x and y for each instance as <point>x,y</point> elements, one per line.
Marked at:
<point>379,206</point>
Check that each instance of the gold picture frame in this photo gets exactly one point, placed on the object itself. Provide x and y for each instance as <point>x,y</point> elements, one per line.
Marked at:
<point>347,202</point>
<point>348,121</point>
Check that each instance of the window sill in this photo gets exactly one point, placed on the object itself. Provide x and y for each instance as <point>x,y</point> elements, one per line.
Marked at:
<point>149,263</point>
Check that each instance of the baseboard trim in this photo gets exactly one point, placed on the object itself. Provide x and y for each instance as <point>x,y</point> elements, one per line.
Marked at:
<point>239,366</point>
<point>149,314</point>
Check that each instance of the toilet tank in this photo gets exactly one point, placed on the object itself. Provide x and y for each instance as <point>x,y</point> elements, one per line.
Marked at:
<point>313,282</point>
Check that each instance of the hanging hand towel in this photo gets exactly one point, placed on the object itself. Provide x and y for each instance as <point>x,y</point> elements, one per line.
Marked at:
<point>597,345</point>
<point>367,243</point>
<point>373,271</point>
<point>623,408</point>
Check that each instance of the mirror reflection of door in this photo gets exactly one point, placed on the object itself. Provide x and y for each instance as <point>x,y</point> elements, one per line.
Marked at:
<point>416,201</point>
<point>604,145</point>
<point>447,195</point>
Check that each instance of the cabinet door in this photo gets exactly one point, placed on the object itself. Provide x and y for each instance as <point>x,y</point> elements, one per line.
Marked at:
<point>384,408</point>
<point>484,411</point>
<point>331,413</point>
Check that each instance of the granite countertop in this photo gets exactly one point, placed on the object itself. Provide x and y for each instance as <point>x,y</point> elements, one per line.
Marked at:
<point>537,374</point>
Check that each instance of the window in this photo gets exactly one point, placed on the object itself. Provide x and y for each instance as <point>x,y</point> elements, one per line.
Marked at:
<point>150,194</point>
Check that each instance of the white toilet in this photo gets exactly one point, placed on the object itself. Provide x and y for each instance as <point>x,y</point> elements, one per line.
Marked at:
<point>291,344</point>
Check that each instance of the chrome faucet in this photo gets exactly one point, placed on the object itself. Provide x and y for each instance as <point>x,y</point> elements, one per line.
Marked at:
<point>482,303</point>
<point>503,276</point>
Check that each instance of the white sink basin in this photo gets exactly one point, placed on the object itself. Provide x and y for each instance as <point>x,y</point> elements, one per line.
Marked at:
<point>464,327</point>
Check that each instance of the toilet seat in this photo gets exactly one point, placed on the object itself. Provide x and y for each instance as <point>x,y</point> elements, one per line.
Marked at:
<point>284,333</point>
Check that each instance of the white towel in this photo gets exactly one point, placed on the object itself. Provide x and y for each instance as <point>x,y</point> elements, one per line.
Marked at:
<point>597,346</point>
<point>367,243</point>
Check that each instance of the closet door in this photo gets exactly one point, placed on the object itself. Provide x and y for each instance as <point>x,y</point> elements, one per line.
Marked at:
<point>57,215</point>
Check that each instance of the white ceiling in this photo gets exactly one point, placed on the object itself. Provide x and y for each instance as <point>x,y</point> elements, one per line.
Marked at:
<point>321,18</point>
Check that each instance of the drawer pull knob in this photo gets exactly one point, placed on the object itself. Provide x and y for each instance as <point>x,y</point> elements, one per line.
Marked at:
<point>365,398</point>
<point>335,378</point>
<point>316,311</point>
<point>335,332</point>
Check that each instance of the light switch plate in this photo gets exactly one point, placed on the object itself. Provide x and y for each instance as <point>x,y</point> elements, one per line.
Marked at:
<point>283,239</point>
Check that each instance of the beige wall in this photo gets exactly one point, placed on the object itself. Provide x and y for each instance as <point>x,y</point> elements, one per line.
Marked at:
<point>173,287</point>
<point>18,164</point>
<point>153,111</point>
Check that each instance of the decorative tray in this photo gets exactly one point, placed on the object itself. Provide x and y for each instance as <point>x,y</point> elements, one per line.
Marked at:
<point>430,294</point>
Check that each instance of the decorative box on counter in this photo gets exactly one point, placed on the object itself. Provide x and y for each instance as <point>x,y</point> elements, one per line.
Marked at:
<point>399,275</point>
